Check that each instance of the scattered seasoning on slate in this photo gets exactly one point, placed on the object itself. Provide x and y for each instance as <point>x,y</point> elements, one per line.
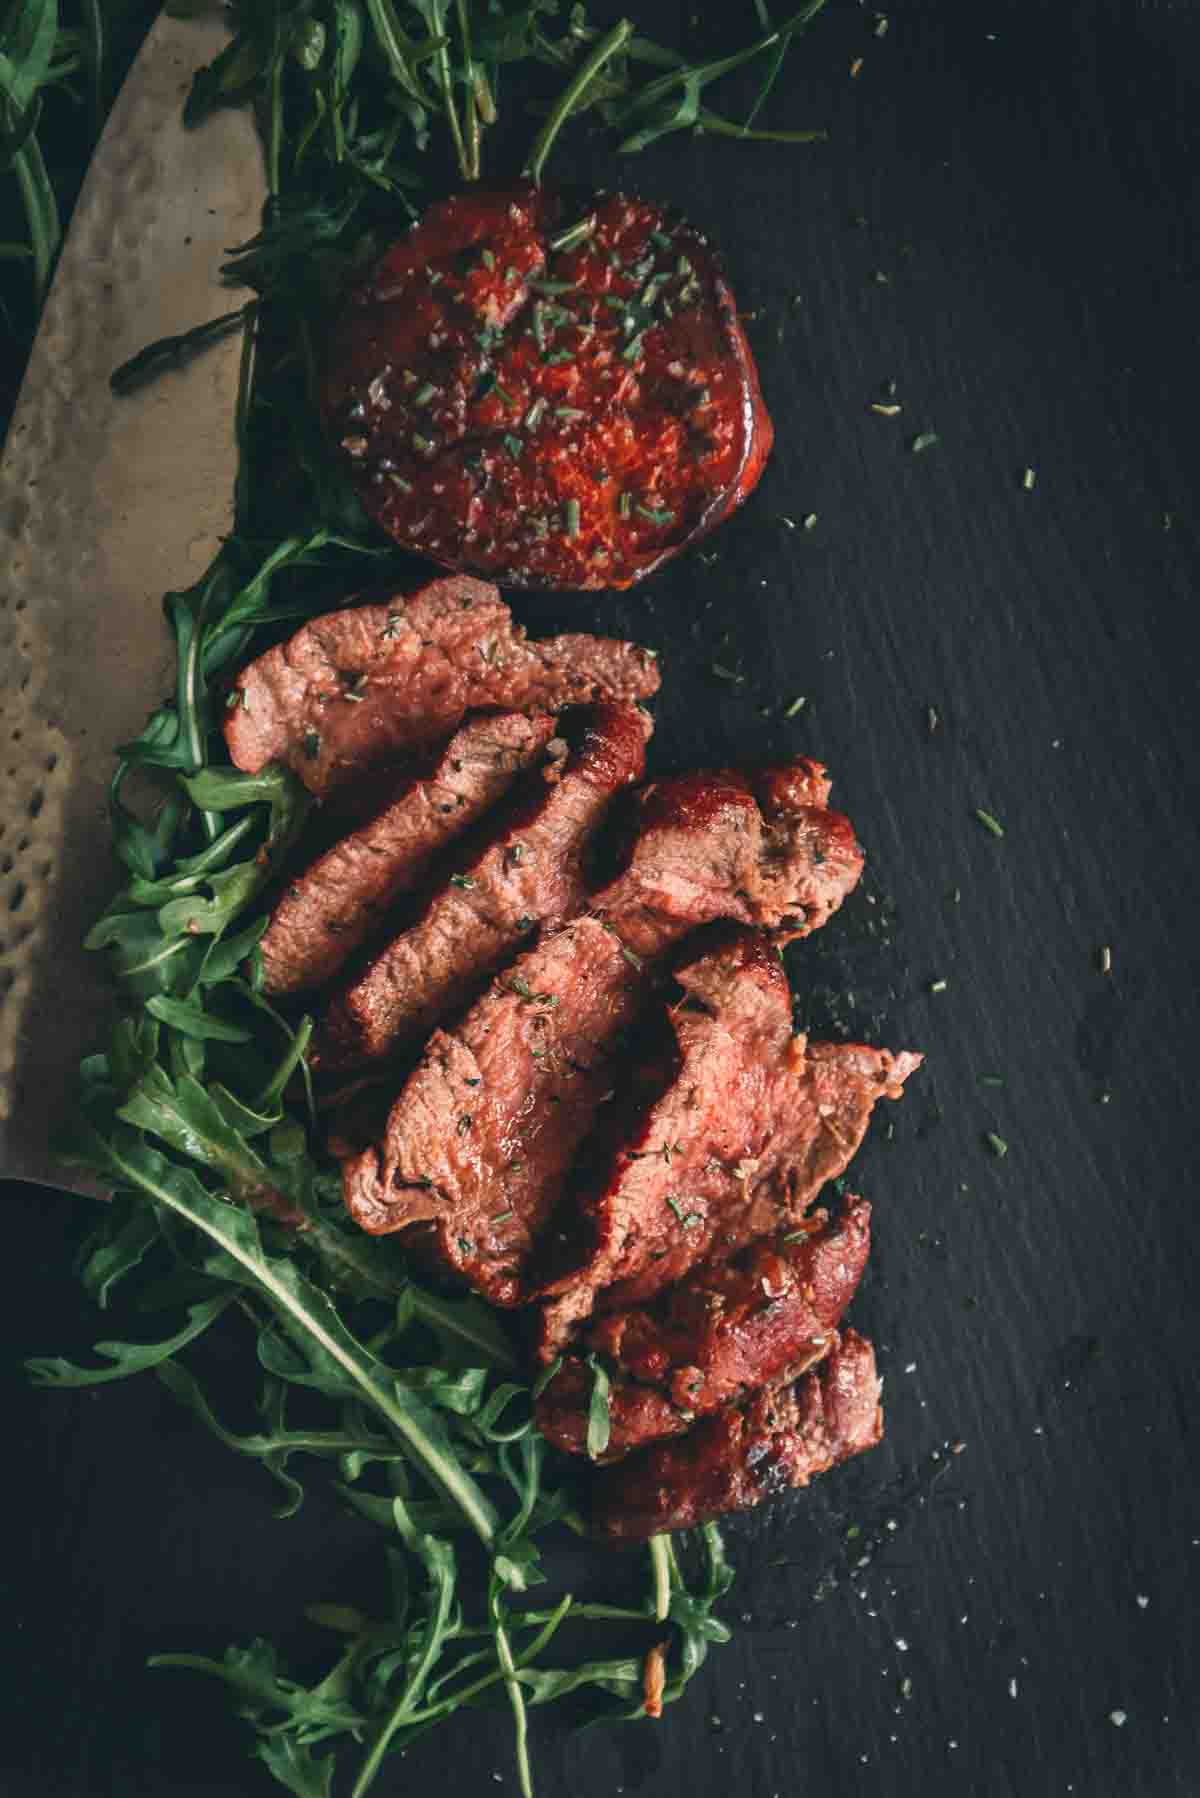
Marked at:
<point>990,1080</point>
<point>932,718</point>
<point>798,704</point>
<point>886,408</point>
<point>810,521</point>
<point>789,522</point>
<point>881,279</point>
<point>996,1144</point>
<point>1029,479</point>
<point>881,24</point>
<point>938,986</point>
<point>856,68</point>
<point>989,823</point>
<point>922,441</point>
<point>1118,1719</point>
<point>1105,960</point>
<point>729,674</point>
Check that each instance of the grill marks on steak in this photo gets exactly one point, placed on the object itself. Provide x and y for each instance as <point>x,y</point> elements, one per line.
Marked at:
<point>564,419</point>
<point>704,848</point>
<point>354,690</point>
<point>726,1331</point>
<point>330,910</point>
<point>531,873</point>
<point>752,1124</point>
<point>737,1459</point>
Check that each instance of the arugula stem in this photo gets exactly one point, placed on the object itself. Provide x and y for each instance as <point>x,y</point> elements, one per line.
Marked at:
<point>458,1486</point>
<point>660,1562</point>
<point>574,91</point>
<point>474,127</point>
<point>273,1090</point>
<point>399,1713</point>
<point>516,1698</point>
<point>712,121</point>
<point>445,81</point>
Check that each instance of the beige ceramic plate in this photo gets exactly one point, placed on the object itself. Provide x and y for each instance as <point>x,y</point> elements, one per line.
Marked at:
<point>104,504</point>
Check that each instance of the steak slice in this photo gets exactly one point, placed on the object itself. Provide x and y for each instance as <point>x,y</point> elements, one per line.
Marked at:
<point>565,416</point>
<point>741,1457</point>
<point>354,690</point>
<point>542,1072</point>
<point>750,1126</point>
<point>327,912</point>
<point>725,1332</point>
<point>761,847</point>
<point>531,873</point>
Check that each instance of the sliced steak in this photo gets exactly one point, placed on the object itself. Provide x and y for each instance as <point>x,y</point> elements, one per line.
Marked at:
<point>728,1330</point>
<point>531,873</point>
<point>741,1457</point>
<point>551,412</point>
<point>748,1129</point>
<point>760,846</point>
<point>354,690</point>
<point>544,1070</point>
<point>328,911</point>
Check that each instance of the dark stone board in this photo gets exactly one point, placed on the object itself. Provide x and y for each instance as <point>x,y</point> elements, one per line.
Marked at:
<point>1005,224</point>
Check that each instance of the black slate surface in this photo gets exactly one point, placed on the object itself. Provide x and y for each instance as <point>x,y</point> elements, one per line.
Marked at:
<point>1024,265</point>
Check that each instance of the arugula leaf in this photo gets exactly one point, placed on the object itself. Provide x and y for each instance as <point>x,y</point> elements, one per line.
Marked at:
<point>130,1357</point>
<point>599,1424</point>
<point>126,1239</point>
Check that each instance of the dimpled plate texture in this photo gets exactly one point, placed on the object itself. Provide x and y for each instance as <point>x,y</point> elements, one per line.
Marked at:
<point>105,504</point>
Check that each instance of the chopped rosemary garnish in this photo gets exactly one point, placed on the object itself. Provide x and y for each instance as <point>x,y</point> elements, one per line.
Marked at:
<point>924,440</point>
<point>571,512</point>
<point>513,445</point>
<point>656,514</point>
<point>464,881</point>
<point>989,823</point>
<point>996,1144</point>
<point>798,704</point>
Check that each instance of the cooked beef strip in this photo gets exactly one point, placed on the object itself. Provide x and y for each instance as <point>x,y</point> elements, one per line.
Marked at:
<point>531,873</point>
<point>727,1330</point>
<point>760,846</point>
<point>743,1456</point>
<point>570,438</point>
<point>354,690</point>
<point>543,1071</point>
<point>752,1124</point>
<point>330,910</point>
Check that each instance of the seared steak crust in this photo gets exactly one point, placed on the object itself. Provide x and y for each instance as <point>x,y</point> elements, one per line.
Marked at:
<point>530,874</point>
<point>353,690</point>
<point>727,1330</point>
<point>564,418</point>
<point>739,1458</point>
<point>543,1071</point>
<point>752,1124</point>
<point>331,909</point>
